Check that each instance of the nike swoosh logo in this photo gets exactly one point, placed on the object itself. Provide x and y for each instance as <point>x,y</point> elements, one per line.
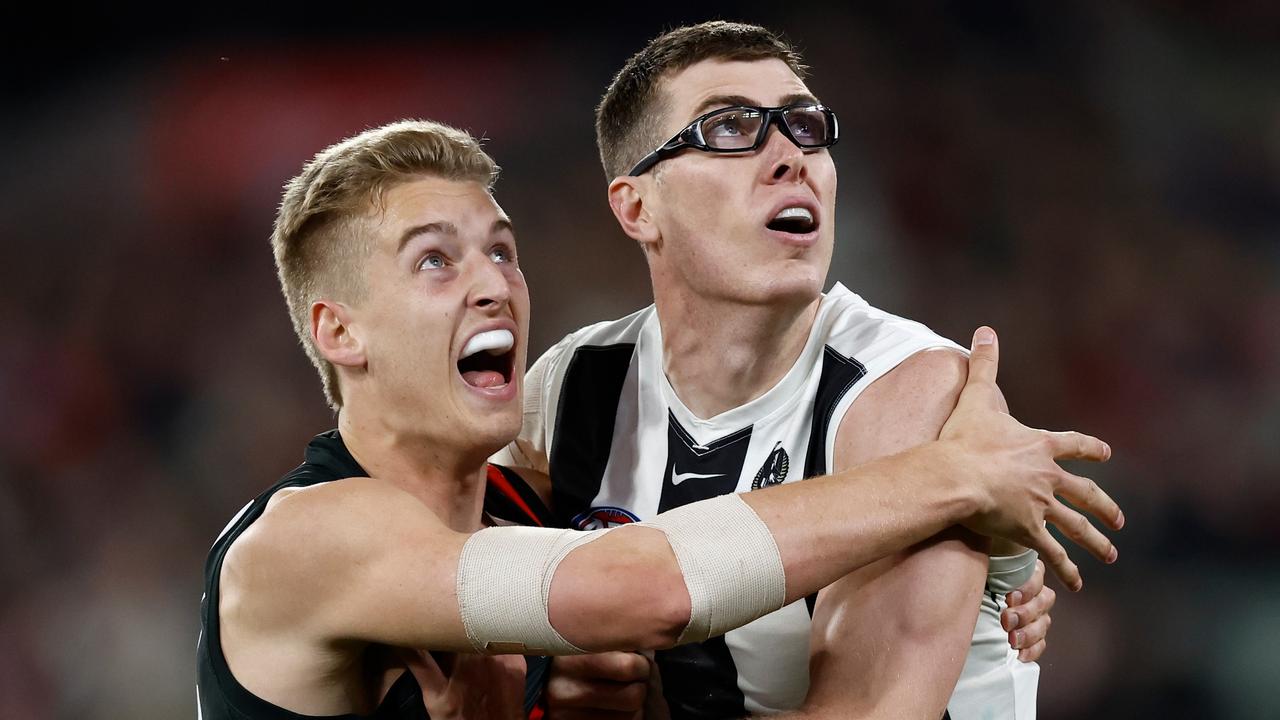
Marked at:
<point>677,478</point>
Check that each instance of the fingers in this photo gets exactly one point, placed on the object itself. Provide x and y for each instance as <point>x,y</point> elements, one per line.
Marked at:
<point>1086,495</point>
<point>1074,445</point>
<point>1056,558</point>
<point>1024,616</point>
<point>613,666</point>
<point>1032,634</point>
<point>567,693</point>
<point>1081,531</point>
<point>1032,653</point>
<point>980,388</point>
<point>984,356</point>
<point>1030,607</point>
<point>1029,590</point>
<point>594,685</point>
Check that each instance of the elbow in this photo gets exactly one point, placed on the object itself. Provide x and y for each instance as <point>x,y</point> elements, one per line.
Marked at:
<point>625,602</point>
<point>651,609</point>
<point>671,611</point>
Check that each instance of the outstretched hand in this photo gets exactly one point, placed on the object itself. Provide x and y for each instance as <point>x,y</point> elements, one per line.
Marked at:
<point>1017,474</point>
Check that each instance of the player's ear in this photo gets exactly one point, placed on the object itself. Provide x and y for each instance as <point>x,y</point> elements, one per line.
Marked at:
<point>331,330</point>
<point>627,197</point>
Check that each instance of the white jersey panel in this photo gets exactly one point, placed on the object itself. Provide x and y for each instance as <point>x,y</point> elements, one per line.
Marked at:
<point>880,341</point>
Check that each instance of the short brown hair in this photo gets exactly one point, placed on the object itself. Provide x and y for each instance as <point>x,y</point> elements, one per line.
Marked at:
<point>629,116</point>
<point>318,241</point>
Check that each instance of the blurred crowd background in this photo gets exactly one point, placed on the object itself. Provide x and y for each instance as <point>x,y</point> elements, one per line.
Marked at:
<point>1100,182</point>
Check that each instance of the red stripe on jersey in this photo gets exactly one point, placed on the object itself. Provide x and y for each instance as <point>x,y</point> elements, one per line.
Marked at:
<point>500,481</point>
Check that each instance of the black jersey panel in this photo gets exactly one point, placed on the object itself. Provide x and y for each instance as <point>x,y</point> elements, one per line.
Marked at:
<point>699,472</point>
<point>700,681</point>
<point>839,373</point>
<point>585,417</point>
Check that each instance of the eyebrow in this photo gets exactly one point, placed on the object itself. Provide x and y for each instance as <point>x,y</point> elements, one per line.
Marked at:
<point>437,228</point>
<point>732,100</point>
<point>449,229</point>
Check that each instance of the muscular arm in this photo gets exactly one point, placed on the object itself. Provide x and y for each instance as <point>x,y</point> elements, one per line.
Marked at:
<point>889,639</point>
<point>360,560</point>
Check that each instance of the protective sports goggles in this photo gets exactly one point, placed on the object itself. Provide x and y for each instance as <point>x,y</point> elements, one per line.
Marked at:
<point>743,129</point>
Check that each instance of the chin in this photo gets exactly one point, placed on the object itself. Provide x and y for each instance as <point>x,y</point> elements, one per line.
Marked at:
<point>791,286</point>
<point>497,430</point>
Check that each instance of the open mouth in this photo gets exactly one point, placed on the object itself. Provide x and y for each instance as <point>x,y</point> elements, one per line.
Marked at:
<point>793,220</point>
<point>488,360</point>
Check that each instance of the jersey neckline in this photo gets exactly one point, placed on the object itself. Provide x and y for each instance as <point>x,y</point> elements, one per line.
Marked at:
<point>778,398</point>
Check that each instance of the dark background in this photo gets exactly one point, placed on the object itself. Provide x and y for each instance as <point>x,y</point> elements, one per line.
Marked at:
<point>1100,182</point>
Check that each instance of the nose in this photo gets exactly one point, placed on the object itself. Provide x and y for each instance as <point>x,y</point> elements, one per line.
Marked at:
<point>490,289</point>
<point>784,160</point>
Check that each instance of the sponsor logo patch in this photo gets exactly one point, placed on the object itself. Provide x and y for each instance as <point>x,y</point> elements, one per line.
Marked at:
<point>774,470</point>
<point>599,518</point>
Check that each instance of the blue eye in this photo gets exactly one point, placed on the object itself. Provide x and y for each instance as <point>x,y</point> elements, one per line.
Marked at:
<point>433,261</point>
<point>727,125</point>
<point>731,128</point>
<point>501,255</point>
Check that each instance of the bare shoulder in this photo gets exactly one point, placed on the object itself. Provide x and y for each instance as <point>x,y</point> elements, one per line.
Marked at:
<point>319,516</point>
<point>306,539</point>
<point>905,407</point>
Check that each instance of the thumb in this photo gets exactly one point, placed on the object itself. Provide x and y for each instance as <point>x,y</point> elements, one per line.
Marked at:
<point>984,357</point>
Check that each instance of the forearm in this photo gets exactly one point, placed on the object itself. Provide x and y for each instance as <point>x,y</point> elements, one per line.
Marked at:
<point>901,626</point>
<point>823,529</point>
<point>829,526</point>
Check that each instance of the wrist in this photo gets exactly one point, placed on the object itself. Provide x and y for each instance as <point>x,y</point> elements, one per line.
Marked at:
<point>964,498</point>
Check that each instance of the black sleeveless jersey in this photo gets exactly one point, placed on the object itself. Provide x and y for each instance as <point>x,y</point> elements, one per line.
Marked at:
<point>218,694</point>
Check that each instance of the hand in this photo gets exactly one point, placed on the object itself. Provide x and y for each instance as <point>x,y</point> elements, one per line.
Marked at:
<point>476,686</point>
<point>1027,618</point>
<point>1012,467</point>
<point>611,685</point>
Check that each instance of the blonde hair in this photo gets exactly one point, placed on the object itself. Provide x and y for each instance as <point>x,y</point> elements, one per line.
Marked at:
<point>318,240</point>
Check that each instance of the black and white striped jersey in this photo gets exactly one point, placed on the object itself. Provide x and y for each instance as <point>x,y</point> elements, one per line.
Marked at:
<point>601,418</point>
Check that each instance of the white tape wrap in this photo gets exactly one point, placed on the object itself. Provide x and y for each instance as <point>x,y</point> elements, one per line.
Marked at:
<point>504,582</point>
<point>1006,573</point>
<point>730,563</point>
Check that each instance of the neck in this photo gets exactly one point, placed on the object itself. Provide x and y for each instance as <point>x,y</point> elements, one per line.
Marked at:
<point>719,355</point>
<point>451,485</point>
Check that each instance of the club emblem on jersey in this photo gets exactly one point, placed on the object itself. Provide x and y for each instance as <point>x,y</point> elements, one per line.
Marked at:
<point>774,470</point>
<point>599,518</point>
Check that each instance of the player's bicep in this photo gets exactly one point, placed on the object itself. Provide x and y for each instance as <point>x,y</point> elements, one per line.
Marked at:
<point>878,622</point>
<point>904,408</point>
<point>356,560</point>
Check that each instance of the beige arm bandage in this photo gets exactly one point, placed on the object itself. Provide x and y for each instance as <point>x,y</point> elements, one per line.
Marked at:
<point>504,582</point>
<point>730,564</point>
